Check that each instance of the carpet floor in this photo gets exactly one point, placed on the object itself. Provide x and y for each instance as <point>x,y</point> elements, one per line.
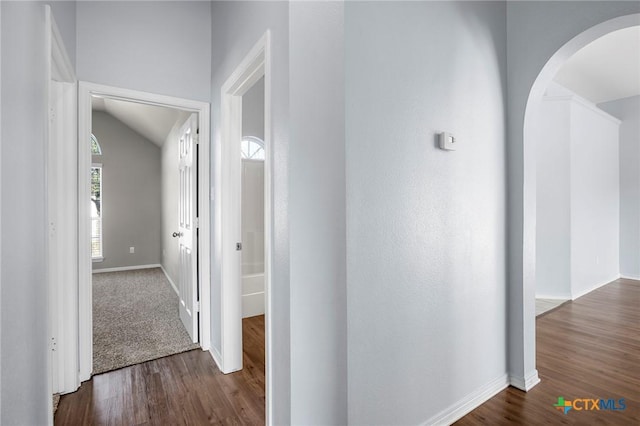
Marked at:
<point>135,319</point>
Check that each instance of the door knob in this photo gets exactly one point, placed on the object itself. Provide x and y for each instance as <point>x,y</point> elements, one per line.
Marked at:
<point>177,234</point>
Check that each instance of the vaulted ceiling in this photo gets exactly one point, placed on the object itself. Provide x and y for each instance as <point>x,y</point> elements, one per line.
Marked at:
<point>152,122</point>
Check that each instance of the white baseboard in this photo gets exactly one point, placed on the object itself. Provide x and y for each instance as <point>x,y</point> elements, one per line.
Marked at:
<point>543,296</point>
<point>525,383</point>
<point>126,268</point>
<point>631,277</point>
<point>468,403</point>
<point>170,280</point>
<point>595,287</point>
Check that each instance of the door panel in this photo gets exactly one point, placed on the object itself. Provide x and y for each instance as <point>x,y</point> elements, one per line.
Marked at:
<point>187,227</point>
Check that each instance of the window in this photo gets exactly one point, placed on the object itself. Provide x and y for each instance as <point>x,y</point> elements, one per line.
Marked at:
<point>95,146</point>
<point>252,148</point>
<point>96,203</point>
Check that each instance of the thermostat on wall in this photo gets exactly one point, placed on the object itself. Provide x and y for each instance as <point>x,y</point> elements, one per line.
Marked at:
<point>447,141</point>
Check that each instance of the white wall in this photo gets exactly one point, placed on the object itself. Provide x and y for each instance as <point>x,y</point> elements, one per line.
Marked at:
<point>24,388</point>
<point>535,32</point>
<point>131,194</point>
<point>317,214</point>
<point>595,199</point>
<point>252,217</point>
<point>425,228</point>
<point>553,230</point>
<point>628,110</point>
<point>155,46</point>
<point>64,12</point>
<point>577,233</point>
<point>237,26</point>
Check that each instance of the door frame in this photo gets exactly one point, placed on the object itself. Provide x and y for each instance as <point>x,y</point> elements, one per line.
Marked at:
<point>61,160</point>
<point>256,64</point>
<point>85,315</point>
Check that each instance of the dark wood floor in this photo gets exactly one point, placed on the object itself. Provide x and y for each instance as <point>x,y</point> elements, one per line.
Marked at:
<point>180,389</point>
<point>589,348</point>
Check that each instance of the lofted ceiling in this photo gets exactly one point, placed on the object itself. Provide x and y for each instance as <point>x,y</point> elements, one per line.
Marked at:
<point>152,122</point>
<point>606,69</point>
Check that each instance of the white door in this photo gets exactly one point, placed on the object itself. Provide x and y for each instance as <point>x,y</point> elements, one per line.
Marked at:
<point>188,226</point>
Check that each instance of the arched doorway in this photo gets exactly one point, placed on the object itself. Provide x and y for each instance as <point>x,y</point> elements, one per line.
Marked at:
<point>522,357</point>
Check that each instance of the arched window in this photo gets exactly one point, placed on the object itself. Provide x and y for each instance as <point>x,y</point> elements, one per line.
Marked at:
<point>95,146</point>
<point>96,203</point>
<point>252,148</point>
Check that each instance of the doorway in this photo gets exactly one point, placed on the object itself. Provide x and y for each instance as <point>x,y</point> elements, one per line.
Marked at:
<point>254,68</point>
<point>526,335</point>
<point>142,233</point>
<point>193,136</point>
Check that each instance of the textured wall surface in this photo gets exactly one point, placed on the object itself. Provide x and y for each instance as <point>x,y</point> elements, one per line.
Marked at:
<point>425,228</point>
<point>131,195</point>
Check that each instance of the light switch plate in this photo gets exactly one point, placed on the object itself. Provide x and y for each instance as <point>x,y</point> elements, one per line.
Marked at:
<point>448,142</point>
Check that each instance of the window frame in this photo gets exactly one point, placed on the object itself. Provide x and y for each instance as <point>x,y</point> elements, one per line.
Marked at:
<point>99,258</point>
<point>254,140</point>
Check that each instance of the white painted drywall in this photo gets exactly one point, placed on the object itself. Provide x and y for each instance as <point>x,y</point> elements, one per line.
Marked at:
<point>252,217</point>
<point>237,26</point>
<point>426,235</point>
<point>317,212</point>
<point>553,230</point>
<point>131,194</point>
<point>24,388</point>
<point>156,46</point>
<point>577,224</point>
<point>628,110</point>
<point>535,32</point>
<point>595,198</point>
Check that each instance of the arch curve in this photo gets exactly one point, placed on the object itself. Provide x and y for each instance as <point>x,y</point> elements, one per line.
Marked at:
<point>534,100</point>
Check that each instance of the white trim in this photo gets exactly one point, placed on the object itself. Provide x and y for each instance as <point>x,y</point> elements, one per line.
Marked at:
<point>60,160</point>
<point>467,404</point>
<point>256,63</point>
<point>525,383</point>
<point>127,268</point>
<point>630,277</point>
<point>594,287</point>
<point>170,280</point>
<point>97,259</point>
<point>86,90</point>
<point>554,297</point>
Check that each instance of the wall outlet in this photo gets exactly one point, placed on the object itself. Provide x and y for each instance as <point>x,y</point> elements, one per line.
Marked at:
<point>132,249</point>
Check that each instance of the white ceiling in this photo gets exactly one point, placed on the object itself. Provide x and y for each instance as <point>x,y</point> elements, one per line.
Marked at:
<point>152,122</point>
<point>606,69</point>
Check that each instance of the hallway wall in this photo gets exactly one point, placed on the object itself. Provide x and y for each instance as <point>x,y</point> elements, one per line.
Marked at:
<point>578,196</point>
<point>155,46</point>
<point>426,228</point>
<point>24,351</point>
<point>628,110</point>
